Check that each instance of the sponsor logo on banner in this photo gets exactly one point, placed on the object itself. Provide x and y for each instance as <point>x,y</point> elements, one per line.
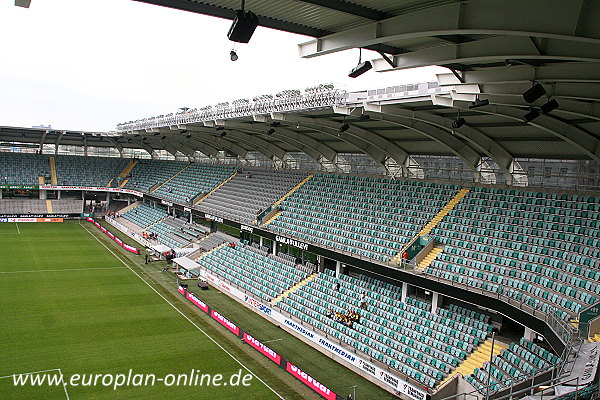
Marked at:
<point>213,218</point>
<point>225,322</point>
<point>337,350</point>
<point>247,228</point>
<point>196,301</point>
<point>224,286</point>
<point>310,381</point>
<point>3,220</point>
<point>299,329</point>
<point>291,242</point>
<point>118,241</point>
<point>276,358</point>
<point>113,237</point>
<point>93,189</point>
<point>181,290</point>
<point>258,305</point>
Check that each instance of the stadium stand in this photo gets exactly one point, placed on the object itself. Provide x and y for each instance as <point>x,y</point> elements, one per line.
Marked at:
<point>253,269</point>
<point>145,215</point>
<point>88,171</point>
<point>371,217</point>
<point>192,181</point>
<point>250,192</point>
<point>67,206</point>
<point>405,336</point>
<point>23,168</point>
<point>538,248</point>
<point>514,364</point>
<point>23,206</point>
<point>148,173</point>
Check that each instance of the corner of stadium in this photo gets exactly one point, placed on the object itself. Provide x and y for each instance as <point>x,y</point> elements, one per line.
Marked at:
<point>434,240</point>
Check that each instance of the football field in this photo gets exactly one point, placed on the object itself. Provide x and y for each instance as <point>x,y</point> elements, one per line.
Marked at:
<point>69,305</point>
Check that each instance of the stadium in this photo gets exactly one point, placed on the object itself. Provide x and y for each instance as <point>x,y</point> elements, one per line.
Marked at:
<point>436,240</point>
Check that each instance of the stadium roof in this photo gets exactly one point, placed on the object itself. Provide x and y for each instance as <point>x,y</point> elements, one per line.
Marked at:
<point>495,50</point>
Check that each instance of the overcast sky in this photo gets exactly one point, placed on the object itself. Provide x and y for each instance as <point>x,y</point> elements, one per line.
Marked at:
<point>90,64</point>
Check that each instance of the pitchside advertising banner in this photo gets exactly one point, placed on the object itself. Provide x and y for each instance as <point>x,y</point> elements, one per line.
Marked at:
<point>293,370</point>
<point>113,237</point>
<point>396,383</point>
<point>29,219</point>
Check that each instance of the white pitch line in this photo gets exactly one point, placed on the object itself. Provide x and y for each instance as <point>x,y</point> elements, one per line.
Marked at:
<point>31,373</point>
<point>183,315</point>
<point>64,385</point>
<point>274,340</point>
<point>57,270</point>
<point>18,230</point>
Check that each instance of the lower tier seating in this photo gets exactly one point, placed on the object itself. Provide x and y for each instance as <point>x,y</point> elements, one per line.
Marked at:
<point>265,276</point>
<point>405,336</point>
<point>514,364</point>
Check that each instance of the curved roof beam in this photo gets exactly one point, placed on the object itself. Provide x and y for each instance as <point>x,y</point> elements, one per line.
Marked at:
<point>255,140</point>
<point>570,22</point>
<point>374,145</point>
<point>300,143</point>
<point>576,137</point>
<point>440,135</point>
<point>477,139</point>
<point>194,144</point>
<point>205,136</point>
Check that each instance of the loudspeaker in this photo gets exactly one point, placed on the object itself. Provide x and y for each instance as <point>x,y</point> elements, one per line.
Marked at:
<point>243,26</point>
<point>360,69</point>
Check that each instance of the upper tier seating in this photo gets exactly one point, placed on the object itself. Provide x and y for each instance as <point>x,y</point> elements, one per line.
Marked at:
<point>193,180</point>
<point>88,171</point>
<point>511,366</point>
<point>406,336</point>
<point>147,173</point>
<point>249,193</point>
<point>538,248</point>
<point>23,168</point>
<point>253,270</point>
<point>371,217</point>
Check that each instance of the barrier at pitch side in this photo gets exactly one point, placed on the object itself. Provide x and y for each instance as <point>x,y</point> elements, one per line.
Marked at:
<point>113,237</point>
<point>397,384</point>
<point>292,369</point>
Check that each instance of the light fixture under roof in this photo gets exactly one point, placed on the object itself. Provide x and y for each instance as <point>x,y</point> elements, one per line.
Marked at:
<point>534,93</point>
<point>548,107</point>
<point>531,115</point>
<point>363,117</point>
<point>479,103</point>
<point>344,127</point>
<point>458,123</point>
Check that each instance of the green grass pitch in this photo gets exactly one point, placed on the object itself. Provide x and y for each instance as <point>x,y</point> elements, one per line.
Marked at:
<point>69,302</point>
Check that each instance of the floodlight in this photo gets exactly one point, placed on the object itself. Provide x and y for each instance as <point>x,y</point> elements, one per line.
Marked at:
<point>534,93</point>
<point>548,107</point>
<point>233,55</point>
<point>271,131</point>
<point>458,123</point>
<point>531,115</point>
<point>479,103</point>
<point>344,127</point>
<point>363,117</point>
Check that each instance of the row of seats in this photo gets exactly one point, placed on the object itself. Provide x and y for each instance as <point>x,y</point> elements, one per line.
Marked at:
<point>88,171</point>
<point>514,364</point>
<point>405,336</point>
<point>261,275</point>
<point>148,173</point>
<point>537,248</point>
<point>371,217</point>
<point>194,180</point>
<point>250,192</point>
<point>145,215</point>
<point>23,168</point>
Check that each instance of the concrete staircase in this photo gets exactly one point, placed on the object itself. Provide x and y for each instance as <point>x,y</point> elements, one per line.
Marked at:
<point>168,180</point>
<point>476,359</point>
<point>49,207</point>
<point>211,250</point>
<point>298,186</point>
<point>126,172</point>
<point>444,211</point>
<point>129,207</point>
<point>293,289</point>
<point>53,170</point>
<point>201,199</point>
<point>432,255</point>
<point>272,219</point>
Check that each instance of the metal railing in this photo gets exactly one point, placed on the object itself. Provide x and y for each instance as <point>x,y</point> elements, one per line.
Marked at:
<point>303,102</point>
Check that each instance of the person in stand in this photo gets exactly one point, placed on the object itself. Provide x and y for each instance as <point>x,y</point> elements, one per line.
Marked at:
<point>362,303</point>
<point>336,286</point>
<point>405,256</point>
